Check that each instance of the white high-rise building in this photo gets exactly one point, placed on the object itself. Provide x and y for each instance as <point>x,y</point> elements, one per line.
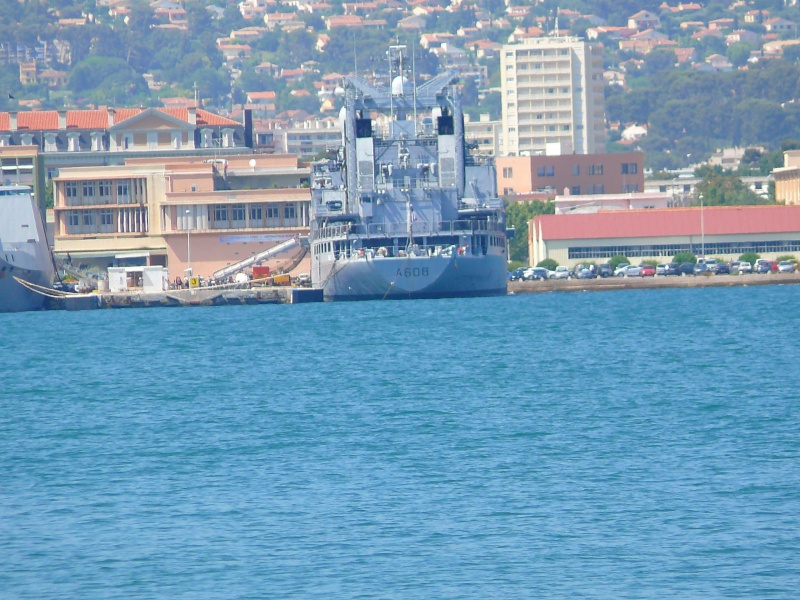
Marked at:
<point>552,92</point>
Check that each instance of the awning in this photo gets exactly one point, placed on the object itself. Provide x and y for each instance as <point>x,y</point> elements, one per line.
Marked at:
<point>132,255</point>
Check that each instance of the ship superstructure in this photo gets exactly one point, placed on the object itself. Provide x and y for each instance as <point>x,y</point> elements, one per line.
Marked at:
<point>24,251</point>
<point>404,211</point>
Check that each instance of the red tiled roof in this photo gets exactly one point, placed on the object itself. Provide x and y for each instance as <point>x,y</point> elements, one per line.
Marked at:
<point>38,120</point>
<point>718,220</point>
<point>87,119</point>
<point>47,120</point>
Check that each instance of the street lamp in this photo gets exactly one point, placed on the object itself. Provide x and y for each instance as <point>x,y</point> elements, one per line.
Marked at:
<point>188,242</point>
<point>702,229</point>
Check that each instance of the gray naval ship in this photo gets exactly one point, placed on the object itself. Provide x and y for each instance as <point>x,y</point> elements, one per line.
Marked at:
<point>404,211</point>
<point>24,251</point>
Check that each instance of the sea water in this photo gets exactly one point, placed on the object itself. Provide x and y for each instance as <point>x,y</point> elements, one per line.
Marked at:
<point>629,444</point>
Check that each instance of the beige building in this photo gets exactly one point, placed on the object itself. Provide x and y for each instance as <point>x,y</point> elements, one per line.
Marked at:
<point>552,91</point>
<point>181,212</point>
<point>485,134</point>
<point>787,178</point>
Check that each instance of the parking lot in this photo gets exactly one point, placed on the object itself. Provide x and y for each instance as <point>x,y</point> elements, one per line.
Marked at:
<point>659,281</point>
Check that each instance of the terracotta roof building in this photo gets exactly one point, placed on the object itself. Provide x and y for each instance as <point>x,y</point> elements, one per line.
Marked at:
<point>108,136</point>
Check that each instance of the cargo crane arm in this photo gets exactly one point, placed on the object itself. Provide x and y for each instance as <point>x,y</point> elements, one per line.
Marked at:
<point>257,259</point>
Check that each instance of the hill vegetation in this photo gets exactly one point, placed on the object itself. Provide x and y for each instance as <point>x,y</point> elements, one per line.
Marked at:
<point>139,58</point>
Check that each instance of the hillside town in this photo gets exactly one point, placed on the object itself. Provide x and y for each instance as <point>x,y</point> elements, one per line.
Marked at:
<point>147,127</point>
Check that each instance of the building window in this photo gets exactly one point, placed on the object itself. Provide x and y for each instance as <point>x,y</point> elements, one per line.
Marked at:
<point>88,217</point>
<point>105,217</point>
<point>88,189</point>
<point>595,169</point>
<point>237,213</point>
<point>630,187</point>
<point>122,188</point>
<point>508,172</point>
<point>255,212</point>
<point>73,218</point>
<point>630,168</point>
<point>289,211</point>
<point>220,212</point>
<point>662,189</point>
<point>576,170</point>
<point>272,211</point>
<point>104,189</point>
<point>545,170</point>
<point>72,189</point>
<point>576,190</point>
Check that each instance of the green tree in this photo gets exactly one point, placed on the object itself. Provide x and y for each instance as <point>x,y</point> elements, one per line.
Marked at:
<point>617,260</point>
<point>658,60</point>
<point>517,216</point>
<point>49,201</point>
<point>750,257</point>
<point>725,188</point>
<point>739,53</point>
<point>548,263</point>
<point>685,257</point>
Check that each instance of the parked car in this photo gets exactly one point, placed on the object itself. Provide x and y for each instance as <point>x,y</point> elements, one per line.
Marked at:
<point>605,270</point>
<point>620,270</point>
<point>536,274</point>
<point>710,263</point>
<point>762,266</point>
<point>701,269</point>
<point>562,272</point>
<point>647,270</point>
<point>584,273</point>
<point>786,266</point>
<point>745,267</point>
<point>673,269</point>
<point>734,267</point>
<point>687,268</point>
<point>723,269</point>
<point>516,274</point>
<point>661,269</point>
<point>633,271</point>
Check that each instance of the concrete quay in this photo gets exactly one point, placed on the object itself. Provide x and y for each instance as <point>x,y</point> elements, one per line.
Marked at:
<point>634,283</point>
<point>211,296</point>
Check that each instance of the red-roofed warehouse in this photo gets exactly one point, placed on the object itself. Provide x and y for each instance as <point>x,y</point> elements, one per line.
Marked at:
<point>724,232</point>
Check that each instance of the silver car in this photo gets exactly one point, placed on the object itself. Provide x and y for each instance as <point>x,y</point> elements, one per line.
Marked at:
<point>632,271</point>
<point>786,266</point>
<point>561,272</point>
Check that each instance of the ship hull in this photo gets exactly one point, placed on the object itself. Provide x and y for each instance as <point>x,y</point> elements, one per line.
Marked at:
<point>15,297</point>
<point>413,277</point>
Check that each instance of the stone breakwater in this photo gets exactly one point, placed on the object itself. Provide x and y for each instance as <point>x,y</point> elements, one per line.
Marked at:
<point>633,283</point>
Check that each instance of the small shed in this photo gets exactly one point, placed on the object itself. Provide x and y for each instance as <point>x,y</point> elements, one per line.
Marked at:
<point>144,279</point>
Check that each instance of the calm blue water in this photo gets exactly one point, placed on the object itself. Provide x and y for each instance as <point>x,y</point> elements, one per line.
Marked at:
<point>639,444</point>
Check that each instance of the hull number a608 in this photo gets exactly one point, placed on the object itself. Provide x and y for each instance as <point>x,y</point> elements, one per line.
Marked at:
<point>413,272</point>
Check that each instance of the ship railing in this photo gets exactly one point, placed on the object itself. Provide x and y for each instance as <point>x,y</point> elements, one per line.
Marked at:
<point>413,251</point>
<point>418,228</point>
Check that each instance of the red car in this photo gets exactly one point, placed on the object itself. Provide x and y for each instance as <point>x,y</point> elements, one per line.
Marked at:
<point>648,271</point>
